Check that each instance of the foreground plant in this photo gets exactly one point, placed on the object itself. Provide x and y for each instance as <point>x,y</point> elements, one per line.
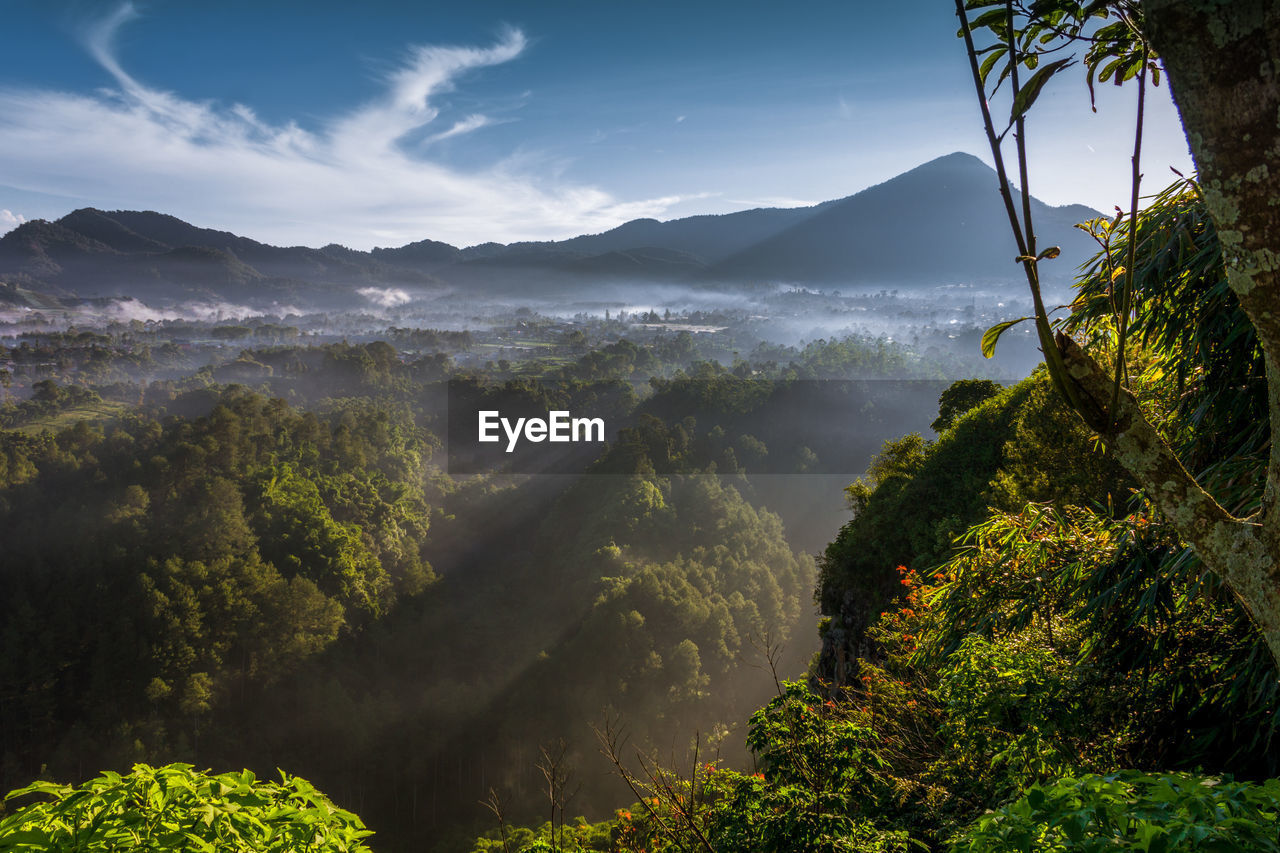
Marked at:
<point>179,808</point>
<point>1133,811</point>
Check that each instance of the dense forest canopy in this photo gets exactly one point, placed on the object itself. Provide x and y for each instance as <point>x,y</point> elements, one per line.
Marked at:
<point>305,584</point>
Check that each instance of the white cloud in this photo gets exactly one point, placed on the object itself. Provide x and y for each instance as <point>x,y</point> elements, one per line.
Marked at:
<point>774,201</point>
<point>466,125</point>
<point>352,182</point>
<point>10,220</point>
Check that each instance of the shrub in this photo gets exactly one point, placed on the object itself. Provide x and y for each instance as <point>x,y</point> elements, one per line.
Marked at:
<point>1129,810</point>
<point>178,808</point>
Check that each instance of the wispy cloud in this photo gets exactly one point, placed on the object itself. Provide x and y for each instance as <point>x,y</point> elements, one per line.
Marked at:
<point>356,181</point>
<point>773,201</point>
<point>466,125</point>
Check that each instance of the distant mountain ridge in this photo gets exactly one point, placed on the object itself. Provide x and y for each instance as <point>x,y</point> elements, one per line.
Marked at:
<point>942,222</point>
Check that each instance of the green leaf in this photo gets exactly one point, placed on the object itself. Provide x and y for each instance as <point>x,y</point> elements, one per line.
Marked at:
<point>990,62</point>
<point>994,20</point>
<point>1031,89</point>
<point>986,19</point>
<point>992,335</point>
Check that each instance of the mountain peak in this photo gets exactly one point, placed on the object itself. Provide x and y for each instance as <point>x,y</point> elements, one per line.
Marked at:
<point>954,158</point>
<point>955,163</point>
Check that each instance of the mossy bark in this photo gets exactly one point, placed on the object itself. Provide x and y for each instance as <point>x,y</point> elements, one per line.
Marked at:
<point>1222,59</point>
<point>1238,550</point>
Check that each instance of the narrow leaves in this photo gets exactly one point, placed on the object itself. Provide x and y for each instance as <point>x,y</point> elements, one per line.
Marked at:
<point>991,336</point>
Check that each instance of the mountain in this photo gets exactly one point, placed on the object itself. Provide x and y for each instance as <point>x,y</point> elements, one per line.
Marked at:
<point>711,237</point>
<point>942,222</point>
<point>424,254</point>
<point>161,258</point>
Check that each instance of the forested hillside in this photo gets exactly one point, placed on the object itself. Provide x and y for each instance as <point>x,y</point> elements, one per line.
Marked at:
<point>205,572</point>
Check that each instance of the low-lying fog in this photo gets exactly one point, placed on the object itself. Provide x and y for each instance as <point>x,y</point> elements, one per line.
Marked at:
<point>948,319</point>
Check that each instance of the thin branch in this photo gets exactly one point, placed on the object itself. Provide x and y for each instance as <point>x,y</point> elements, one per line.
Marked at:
<point>1019,136</point>
<point>611,742</point>
<point>660,783</point>
<point>693,796</point>
<point>1130,272</point>
<point>498,806</point>
<point>771,652</point>
<point>557,774</point>
<point>989,126</point>
<point>1053,359</point>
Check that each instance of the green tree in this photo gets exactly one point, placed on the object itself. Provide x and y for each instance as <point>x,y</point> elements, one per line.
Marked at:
<point>961,397</point>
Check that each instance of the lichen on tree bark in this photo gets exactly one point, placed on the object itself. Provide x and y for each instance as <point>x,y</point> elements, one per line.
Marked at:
<point>1223,64</point>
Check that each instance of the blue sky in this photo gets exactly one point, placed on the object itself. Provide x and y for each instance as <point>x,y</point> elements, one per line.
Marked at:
<point>317,122</point>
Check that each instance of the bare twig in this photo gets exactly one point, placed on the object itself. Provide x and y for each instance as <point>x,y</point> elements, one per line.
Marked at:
<point>557,773</point>
<point>771,652</point>
<point>612,740</point>
<point>660,785</point>
<point>496,804</point>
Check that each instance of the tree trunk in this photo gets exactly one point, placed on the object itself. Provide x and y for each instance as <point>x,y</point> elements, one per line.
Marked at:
<point>1235,549</point>
<point>1223,65</point>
